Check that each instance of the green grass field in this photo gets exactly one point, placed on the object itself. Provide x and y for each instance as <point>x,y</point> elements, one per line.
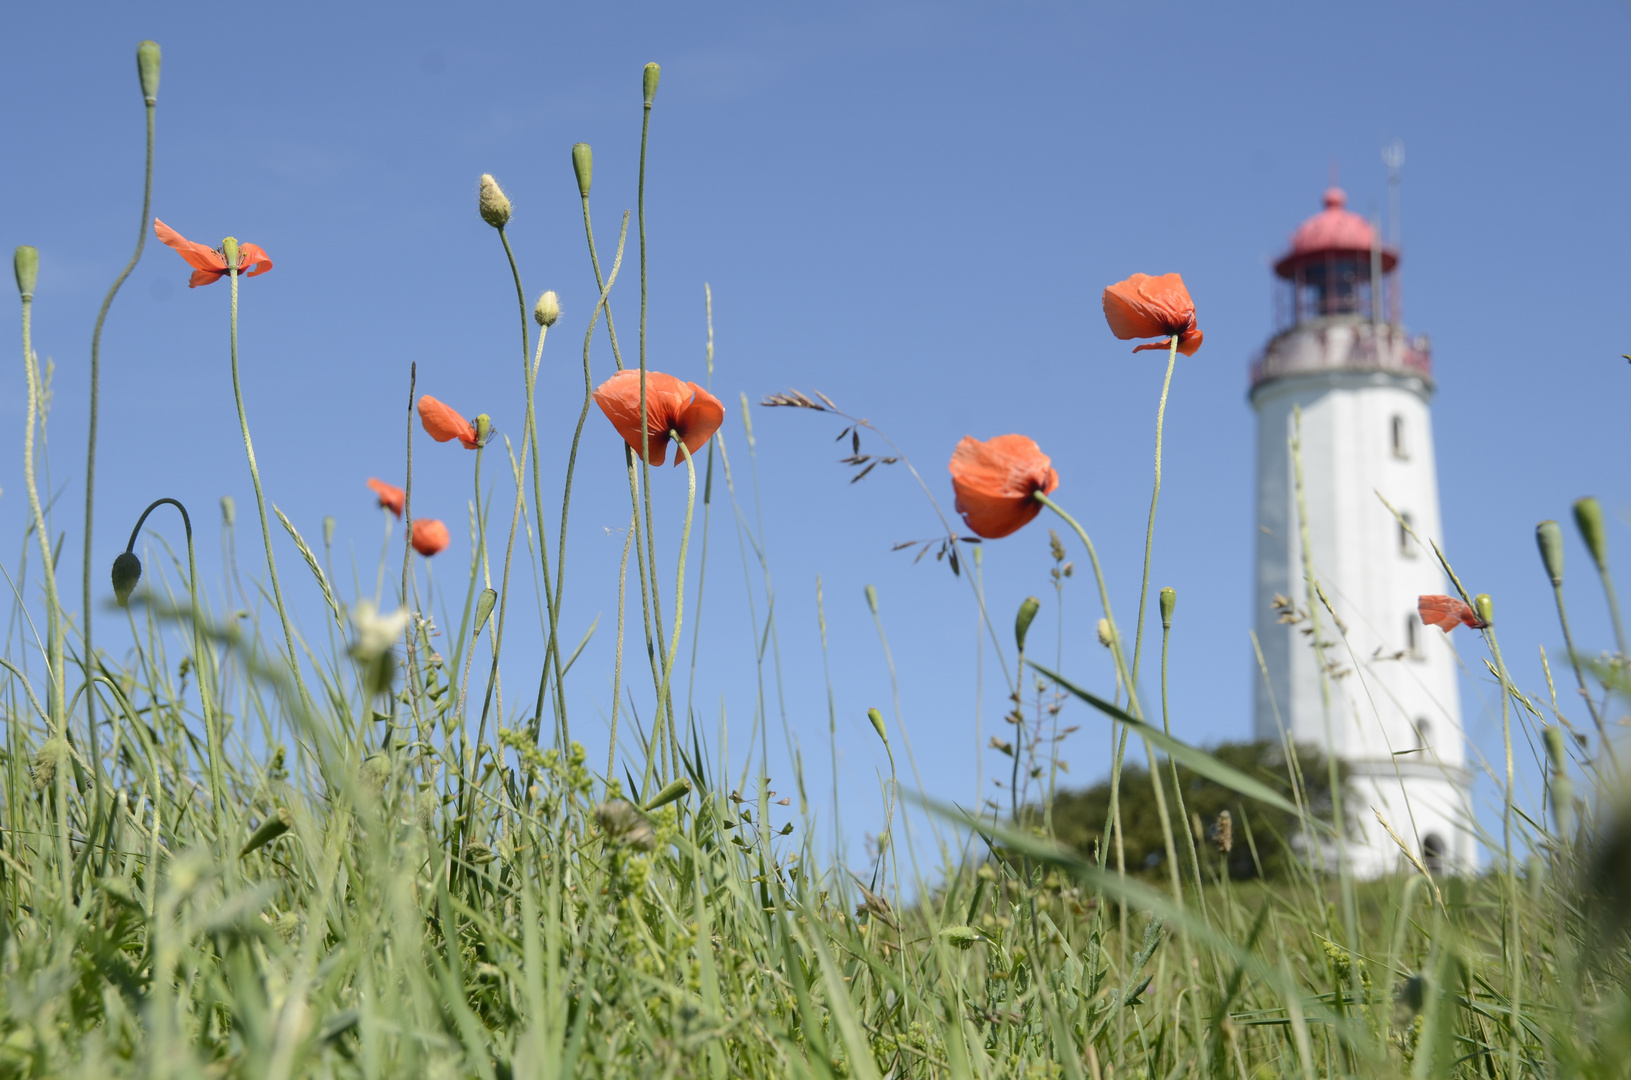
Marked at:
<point>251,855</point>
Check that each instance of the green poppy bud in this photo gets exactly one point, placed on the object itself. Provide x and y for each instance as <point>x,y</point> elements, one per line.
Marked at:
<point>1169,600</point>
<point>494,206</point>
<point>229,249</point>
<point>1588,516</point>
<point>653,73</point>
<point>1485,607</point>
<point>229,511</point>
<point>872,599</point>
<point>127,571</point>
<point>1550,539</point>
<point>583,163</point>
<point>328,531</point>
<point>275,825</point>
<point>1561,787</point>
<point>147,67</point>
<point>547,310</point>
<point>877,724</point>
<point>1022,621</point>
<point>484,607</point>
<point>26,264</point>
<point>677,790</point>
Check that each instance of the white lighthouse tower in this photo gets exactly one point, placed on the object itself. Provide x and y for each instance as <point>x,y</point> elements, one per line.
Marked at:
<point>1390,706</point>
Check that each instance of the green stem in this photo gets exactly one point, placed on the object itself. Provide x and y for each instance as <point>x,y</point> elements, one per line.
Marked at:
<point>679,600</point>
<point>1514,942</point>
<point>617,666</point>
<point>260,498</point>
<point>1580,677</point>
<point>1155,497</point>
<point>88,661</point>
<point>407,568</point>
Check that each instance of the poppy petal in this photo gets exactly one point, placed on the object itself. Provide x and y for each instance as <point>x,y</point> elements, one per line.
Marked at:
<point>391,497</point>
<point>205,277</point>
<point>252,260</point>
<point>996,482</point>
<point>444,423</point>
<point>666,398</point>
<point>198,256</point>
<point>429,536</point>
<point>1145,306</point>
<point>1127,313</point>
<point>1447,612</point>
<point>698,420</point>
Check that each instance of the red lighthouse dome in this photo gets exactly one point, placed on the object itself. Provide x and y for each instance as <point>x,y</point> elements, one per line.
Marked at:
<point>1336,230</point>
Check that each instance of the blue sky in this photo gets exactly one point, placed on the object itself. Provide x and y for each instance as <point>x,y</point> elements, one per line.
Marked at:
<point>912,207</point>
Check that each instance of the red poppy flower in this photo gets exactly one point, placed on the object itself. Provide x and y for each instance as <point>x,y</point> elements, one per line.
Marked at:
<point>1446,613</point>
<point>671,405</point>
<point>429,536</point>
<point>209,264</point>
<point>996,482</point>
<point>390,496</point>
<point>1145,306</point>
<point>444,423</point>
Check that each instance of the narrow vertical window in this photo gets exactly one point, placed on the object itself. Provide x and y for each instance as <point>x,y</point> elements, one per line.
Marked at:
<point>1412,636</point>
<point>1406,548</point>
<point>1401,447</point>
<point>1432,853</point>
<point>1424,734</point>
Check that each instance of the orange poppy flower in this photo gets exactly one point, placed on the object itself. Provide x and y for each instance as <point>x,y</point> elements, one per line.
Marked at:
<point>1145,306</point>
<point>209,264</point>
<point>444,423</point>
<point>429,536</point>
<point>671,405</point>
<point>390,496</point>
<point>1446,613</point>
<point>996,482</point>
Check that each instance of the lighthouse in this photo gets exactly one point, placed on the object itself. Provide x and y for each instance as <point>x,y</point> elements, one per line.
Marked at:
<point>1371,684</point>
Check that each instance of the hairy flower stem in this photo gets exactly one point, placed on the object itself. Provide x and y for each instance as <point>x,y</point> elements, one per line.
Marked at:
<point>679,601</point>
<point>407,569</point>
<point>88,660</point>
<point>55,700</point>
<point>1155,497</point>
<point>1514,946</point>
<point>617,665</point>
<point>260,498</point>
<point>551,648</point>
<point>1580,677</point>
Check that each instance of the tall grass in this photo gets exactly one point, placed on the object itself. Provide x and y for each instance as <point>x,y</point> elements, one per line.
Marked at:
<point>247,860</point>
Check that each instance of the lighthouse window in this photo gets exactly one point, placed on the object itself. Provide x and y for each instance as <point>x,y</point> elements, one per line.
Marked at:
<point>1432,853</point>
<point>1412,636</point>
<point>1406,548</point>
<point>1401,448</point>
<point>1424,734</point>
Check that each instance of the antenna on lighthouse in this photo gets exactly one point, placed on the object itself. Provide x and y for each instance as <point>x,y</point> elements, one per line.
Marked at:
<point>1393,158</point>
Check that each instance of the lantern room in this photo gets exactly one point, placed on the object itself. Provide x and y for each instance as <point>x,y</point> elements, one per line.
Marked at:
<point>1337,265</point>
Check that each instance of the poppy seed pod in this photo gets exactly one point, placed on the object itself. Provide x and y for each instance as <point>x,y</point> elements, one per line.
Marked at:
<point>548,309</point>
<point>1169,600</point>
<point>494,206</point>
<point>484,428</point>
<point>877,724</point>
<point>1485,607</point>
<point>229,250</point>
<point>26,264</point>
<point>652,74</point>
<point>127,571</point>
<point>1022,621</point>
<point>147,68</point>
<point>1550,538</point>
<point>583,164</point>
<point>1588,517</point>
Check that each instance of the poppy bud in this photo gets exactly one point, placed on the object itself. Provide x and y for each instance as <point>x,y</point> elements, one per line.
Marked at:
<point>229,249</point>
<point>872,599</point>
<point>328,531</point>
<point>1562,788</point>
<point>229,511</point>
<point>548,309</point>
<point>127,571</point>
<point>26,264</point>
<point>1022,621</point>
<point>494,207</point>
<point>1588,517</point>
<point>1107,635</point>
<point>677,790</point>
<point>147,67</point>
<point>877,724</point>
<point>1485,608</point>
<point>653,73</point>
<point>961,937</point>
<point>484,607</point>
<point>275,825</point>
<point>583,163</point>
<point>1169,600</point>
<point>1550,539</point>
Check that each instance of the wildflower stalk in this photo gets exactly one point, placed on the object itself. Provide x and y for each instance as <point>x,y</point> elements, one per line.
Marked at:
<point>88,660</point>
<point>679,599</point>
<point>255,475</point>
<point>617,664</point>
<point>57,734</point>
<point>1155,497</point>
<point>1514,945</point>
<point>407,568</point>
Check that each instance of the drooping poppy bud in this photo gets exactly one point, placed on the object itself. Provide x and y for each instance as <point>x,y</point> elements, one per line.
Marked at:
<point>25,263</point>
<point>494,206</point>
<point>652,74</point>
<point>147,69</point>
<point>548,309</point>
<point>1169,601</point>
<point>127,571</point>
<point>1485,607</point>
<point>583,164</point>
<point>1550,538</point>
<point>430,536</point>
<point>1588,517</point>
<point>677,790</point>
<point>1022,622</point>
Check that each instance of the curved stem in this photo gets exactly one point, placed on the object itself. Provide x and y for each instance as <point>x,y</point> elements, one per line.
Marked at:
<point>617,666</point>
<point>679,604</point>
<point>260,498</point>
<point>1580,677</point>
<point>407,569</point>
<point>1155,497</point>
<point>88,661</point>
